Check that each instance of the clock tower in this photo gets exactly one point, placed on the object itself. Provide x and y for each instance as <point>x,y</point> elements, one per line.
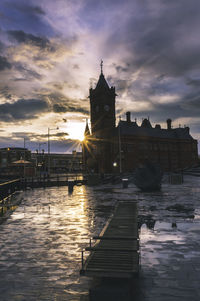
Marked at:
<point>102,107</point>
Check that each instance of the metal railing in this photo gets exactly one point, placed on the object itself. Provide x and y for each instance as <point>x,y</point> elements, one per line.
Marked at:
<point>8,188</point>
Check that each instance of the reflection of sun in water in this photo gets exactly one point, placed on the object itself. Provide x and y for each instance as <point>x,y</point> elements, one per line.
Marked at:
<point>76,130</point>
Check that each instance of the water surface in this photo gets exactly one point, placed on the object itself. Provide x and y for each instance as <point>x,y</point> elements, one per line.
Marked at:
<point>41,242</point>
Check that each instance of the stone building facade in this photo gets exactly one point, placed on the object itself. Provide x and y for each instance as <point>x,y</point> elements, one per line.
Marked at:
<point>109,148</point>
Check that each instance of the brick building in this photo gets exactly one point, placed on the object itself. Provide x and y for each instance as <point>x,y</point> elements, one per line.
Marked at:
<point>110,148</point>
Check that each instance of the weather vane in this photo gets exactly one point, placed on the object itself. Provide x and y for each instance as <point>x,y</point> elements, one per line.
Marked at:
<point>101,66</point>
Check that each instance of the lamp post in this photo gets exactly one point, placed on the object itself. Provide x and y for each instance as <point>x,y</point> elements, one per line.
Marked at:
<point>120,151</point>
<point>24,156</point>
<point>49,148</point>
<point>38,158</point>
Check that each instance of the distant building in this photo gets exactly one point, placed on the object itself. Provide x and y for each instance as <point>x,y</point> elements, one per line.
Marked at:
<point>17,162</point>
<point>59,163</point>
<point>12,161</point>
<point>10,154</point>
<point>110,148</point>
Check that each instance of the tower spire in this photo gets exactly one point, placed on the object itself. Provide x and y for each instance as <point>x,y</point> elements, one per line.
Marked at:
<point>101,65</point>
<point>87,130</point>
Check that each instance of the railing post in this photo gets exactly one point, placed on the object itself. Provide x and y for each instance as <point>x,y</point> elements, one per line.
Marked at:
<point>82,259</point>
<point>90,243</point>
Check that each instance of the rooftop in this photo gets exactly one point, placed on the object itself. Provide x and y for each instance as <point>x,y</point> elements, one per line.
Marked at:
<point>146,129</point>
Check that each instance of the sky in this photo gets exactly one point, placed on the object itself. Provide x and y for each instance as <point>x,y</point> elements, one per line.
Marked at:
<point>50,53</point>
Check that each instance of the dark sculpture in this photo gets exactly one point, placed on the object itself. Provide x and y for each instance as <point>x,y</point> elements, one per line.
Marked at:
<point>148,177</point>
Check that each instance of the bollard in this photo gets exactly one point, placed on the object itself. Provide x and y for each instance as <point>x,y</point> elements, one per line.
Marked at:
<point>70,186</point>
<point>125,183</point>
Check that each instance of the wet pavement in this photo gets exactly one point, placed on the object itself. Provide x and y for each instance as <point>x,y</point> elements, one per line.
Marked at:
<point>41,242</point>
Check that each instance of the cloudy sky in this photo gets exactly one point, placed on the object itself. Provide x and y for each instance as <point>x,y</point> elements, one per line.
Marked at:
<point>50,53</point>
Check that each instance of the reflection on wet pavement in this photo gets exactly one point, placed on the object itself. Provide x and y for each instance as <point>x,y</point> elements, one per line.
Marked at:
<point>41,242</point>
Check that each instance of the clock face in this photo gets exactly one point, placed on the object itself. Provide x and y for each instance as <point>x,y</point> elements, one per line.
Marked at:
<point>106,108</point>
<point>97,108</point>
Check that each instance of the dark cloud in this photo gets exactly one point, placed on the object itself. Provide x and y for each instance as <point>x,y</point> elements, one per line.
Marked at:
<point>59,143</point>
<point>58,108</point>
<point>162,36</point>
<point>61,134</point>
<point>77,108</point>
<point>121,68</point>
<point>21,37</point>
<point>95,13</point>
<point>189,107</point>
<point>29,9</point>
<point>27,74</point>
<point>191,104</point>
<point>193,82</point>
<point>57,85</point>
<point>22,14</point>
<point>2,46</point>
<point>22,109</point>
<point>63,108</point>
<point>4,64</point>
<point>76,66</point>
<point>63,104</point>
<point>121,85</point>
<point>38,137</point>
<point>5,93</point>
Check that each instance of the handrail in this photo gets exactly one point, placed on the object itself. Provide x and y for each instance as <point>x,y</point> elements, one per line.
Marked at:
<point>116,237</point>
<point>110,249</point>
<point>9,182</point>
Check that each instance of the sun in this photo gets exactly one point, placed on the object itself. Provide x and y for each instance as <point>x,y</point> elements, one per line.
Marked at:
<point>76,130</point>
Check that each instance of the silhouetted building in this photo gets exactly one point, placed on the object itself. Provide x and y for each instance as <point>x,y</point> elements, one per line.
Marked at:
<point>59,163</point>
<point>16,162</point>
<point>10,154</point>
<point>109,148</point>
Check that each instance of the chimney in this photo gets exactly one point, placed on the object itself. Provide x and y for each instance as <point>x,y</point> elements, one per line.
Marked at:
<point>169,124</point>
<point>158,127</point>
<point>187,129</point>
<point>128,117</point>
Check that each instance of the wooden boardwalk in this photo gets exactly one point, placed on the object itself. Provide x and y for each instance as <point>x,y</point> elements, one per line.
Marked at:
<point>115,253</point>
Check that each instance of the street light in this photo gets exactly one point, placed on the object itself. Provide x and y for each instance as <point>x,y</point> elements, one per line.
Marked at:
<point>38,158</point>
<point>49,147</point>
<point>120,150</point>
<point>24,155</point>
